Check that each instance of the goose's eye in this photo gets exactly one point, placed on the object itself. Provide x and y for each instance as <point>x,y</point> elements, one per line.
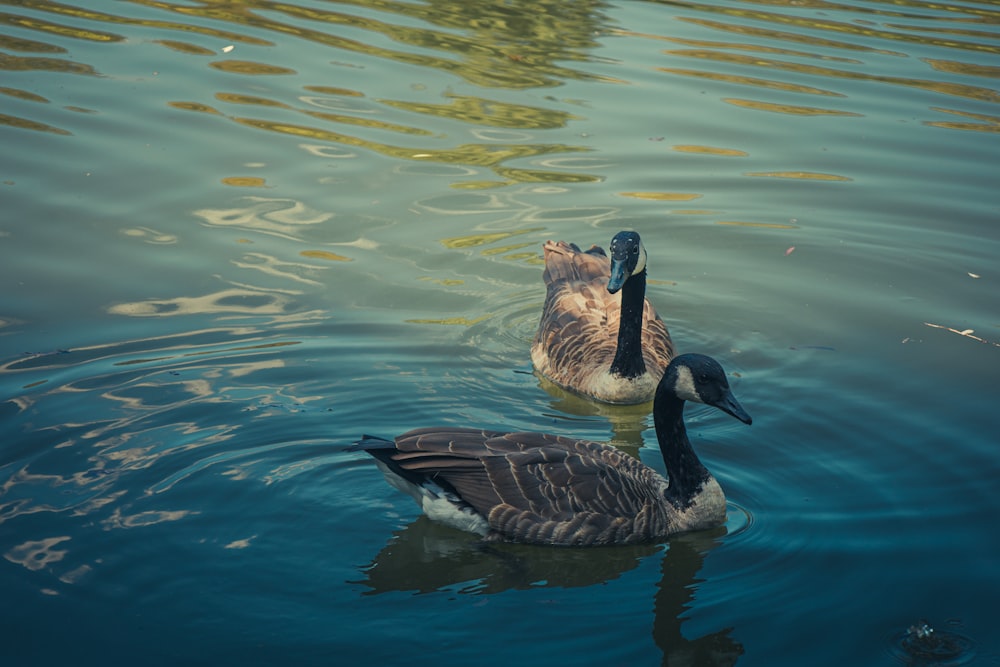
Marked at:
<point>635,250</point>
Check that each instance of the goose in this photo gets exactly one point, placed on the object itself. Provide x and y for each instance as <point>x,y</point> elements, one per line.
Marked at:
<point>589,340</point>
<point>539,488</point>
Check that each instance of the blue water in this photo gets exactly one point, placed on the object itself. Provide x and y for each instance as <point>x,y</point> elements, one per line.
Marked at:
<point>236,236</point>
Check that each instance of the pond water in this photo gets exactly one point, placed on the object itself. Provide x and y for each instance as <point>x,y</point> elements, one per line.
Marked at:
<point>237,235</point>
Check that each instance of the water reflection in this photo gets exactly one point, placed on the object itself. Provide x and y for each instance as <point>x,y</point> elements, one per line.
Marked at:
<point>226,301</point>
<point>675,595</point>
<point>426,557</point>
<point>281,217</point>
<point>723,60</point>
<point>37,554</point>
<point>520,45</point>
<point>627,422</point>
<point>535,58</point>
<point>512,46</point>
<point>453,136</point>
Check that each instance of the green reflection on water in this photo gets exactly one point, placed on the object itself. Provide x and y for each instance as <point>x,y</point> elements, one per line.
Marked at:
<point>249,67</point>
<point>185,47</point>
<point>90,15</point>
<point>57,28</point>
<point>486,155</point>
<point>23,95</point>
<point>988,124</point>
<point>491,113</point>
<point>25,124</point>
<point>947,88</point>
<point>19,64</point>
<point>854,29</point>
<point>476,240</point>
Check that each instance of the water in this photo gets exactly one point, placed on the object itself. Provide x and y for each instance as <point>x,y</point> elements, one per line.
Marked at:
<point>236,236</point>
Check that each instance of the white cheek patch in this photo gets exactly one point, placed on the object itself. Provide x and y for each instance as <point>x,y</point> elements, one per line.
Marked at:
<point>640,263</point>
<point>684,386</point>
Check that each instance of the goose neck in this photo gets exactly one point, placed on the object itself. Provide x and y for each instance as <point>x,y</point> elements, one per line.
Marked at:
<point>685,471</point>
<point>628,361</point>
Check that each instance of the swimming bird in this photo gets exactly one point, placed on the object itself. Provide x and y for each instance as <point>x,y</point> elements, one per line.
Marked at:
<point>589,340</point>
<point>548,489</point>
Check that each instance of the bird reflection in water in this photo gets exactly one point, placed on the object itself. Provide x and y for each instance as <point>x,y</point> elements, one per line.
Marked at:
<point>425,557</point>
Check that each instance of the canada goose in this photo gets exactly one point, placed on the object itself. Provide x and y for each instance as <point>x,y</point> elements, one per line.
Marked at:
<point>548,489</point>
<point>589,340</point>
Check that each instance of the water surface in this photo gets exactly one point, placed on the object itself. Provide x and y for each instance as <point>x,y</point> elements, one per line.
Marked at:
<point>237,235</point>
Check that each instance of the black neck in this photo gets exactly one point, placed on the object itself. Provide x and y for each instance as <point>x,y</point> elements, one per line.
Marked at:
<point>628,361</point>
<point>684,469</point>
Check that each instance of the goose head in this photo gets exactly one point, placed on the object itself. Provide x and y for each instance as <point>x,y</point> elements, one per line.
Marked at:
<point>628,258</point>
<point>698,378</point>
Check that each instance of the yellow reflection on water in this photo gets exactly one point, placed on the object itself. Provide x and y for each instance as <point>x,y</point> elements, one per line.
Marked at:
<point>770,34</point>
<point>194,106</point>
<point>250,67</point>
<point>767,225</point>
<point>479,185</point>
<point>447,282</point>
<point>791,109</point>
<point>324,254</point>
<point>750,81</point>
<point>759,48</point>
<point>11,43</point>
<point>330,90</point>
<point>239,98</point>
<point>956,67</point>
<point>460,321</point>
<point>25,95</point>
<point>486,155</point>
<point>244,181</point>
<point>368,122</point>
<point>944,87</point>
<point>473,240</point>
<point>802,175</point>
<point>469,41</point>
<point>95,16</point>
<point>44,64</point>
<point>25,124</point>
<point>504,249</point>
<point>75,32</point>
<point>492,113</point>
<point>857,28</point>
<point>185,47</point>
<point>710,150</point>
<point>987,124</point>
<point>662,196</point>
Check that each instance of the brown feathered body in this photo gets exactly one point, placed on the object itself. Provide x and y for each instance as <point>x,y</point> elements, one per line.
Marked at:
<point>578,335</point>
<point>539,488</point>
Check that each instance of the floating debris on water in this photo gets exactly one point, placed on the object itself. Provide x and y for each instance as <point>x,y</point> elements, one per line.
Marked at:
<point>922,644</point>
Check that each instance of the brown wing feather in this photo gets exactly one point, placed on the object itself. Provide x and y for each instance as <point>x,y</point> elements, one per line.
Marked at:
<point>535,487</point>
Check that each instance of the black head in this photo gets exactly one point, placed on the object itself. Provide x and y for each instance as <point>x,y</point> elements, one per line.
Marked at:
<point>628,257</point>
<point>696,377</point>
